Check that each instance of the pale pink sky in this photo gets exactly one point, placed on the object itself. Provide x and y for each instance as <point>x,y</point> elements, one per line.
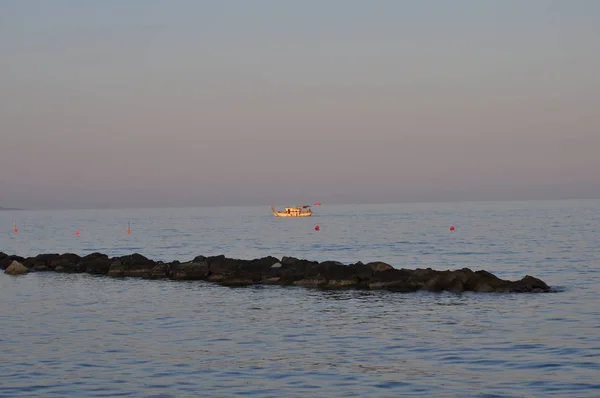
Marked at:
<point>184,103</point>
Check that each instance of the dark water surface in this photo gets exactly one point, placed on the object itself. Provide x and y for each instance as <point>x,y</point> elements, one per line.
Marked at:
<point>80,335</point>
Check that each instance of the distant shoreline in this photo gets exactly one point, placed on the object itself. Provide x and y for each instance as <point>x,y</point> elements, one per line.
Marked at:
<point>153,207</point>
<point>425,202</point>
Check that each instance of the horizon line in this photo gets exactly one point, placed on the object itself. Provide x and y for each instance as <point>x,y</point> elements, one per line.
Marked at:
<point>312,205</point>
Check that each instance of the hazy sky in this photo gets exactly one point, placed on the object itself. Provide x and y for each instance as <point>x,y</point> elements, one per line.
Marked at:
<point>184,103</point>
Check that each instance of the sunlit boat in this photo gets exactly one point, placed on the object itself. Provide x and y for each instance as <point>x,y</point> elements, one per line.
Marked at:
<point>300,211</point>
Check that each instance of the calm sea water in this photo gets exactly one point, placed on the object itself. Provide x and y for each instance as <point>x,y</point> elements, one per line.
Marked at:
<point>81,336</point>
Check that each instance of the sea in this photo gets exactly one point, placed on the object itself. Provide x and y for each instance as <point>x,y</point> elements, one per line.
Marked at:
<point>77,335</point>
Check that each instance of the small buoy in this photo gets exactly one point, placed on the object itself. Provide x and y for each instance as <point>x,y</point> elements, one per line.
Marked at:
<point>128,231</point>
<point>452,228</point>
<point>128,227</point>
<point>317,228</point>
<point>317,203</point>
<point>15,229</point>
<point>76,232</point>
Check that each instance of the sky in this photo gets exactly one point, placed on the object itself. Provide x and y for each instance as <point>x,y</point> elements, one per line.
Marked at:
<point>147,103</point>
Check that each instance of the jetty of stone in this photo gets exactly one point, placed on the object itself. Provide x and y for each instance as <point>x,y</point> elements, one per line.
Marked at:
<point>272,271</point>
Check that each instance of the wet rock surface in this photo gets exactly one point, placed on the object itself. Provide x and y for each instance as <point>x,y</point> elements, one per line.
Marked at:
<point>270,270</point>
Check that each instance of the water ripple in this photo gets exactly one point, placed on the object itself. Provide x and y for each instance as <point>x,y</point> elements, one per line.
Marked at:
<point>68,335</point>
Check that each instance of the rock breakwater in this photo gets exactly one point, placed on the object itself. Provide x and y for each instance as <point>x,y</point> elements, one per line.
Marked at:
<point>272,271</point>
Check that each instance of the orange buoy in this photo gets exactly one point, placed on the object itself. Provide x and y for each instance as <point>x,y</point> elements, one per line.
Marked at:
<point>76,232</point>
<point>15,229</point>
<point>129,228</point>
<point>317,228</point>
<point>452,228</point>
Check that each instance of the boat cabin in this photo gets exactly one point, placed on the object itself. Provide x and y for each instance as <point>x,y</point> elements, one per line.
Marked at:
<point>294,211</point>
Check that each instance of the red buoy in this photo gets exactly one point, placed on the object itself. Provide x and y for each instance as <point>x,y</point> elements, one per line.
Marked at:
<point>76,232</point>
<point>452,228</point>
<point>317,228</point>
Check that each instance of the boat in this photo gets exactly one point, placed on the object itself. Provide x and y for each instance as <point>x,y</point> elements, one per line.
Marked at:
<point>297,211</point>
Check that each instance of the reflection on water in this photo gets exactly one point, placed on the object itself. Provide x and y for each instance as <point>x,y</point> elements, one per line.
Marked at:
<point>74,335</point>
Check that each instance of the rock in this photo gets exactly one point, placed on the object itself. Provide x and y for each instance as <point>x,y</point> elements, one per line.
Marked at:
<point>529,284</point>
<point>399,280</point>
<point>340,275</point>
<point>379,266</point>
<point>292,270</point>
<point>289,260</point>
<point>69,262</point>
<point>41,262</point>
<point>160,271</point>
<point>235,272</point>
<point>134,265</point>
<point>16,268</point>
<point>287,271</point>
<point>95,264</point>
<point>196,270</point>
<point>199,259</point>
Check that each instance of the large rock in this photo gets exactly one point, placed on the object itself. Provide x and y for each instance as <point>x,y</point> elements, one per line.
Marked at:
<point>68,261</point>
<point>16,268</point>
<point>134,265</point>
<point>235,272</point>
<point>528,284</point>
<point>197,269</point>
<point>400,280</point>
<point>295,271</point>
<point>379,266</point>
